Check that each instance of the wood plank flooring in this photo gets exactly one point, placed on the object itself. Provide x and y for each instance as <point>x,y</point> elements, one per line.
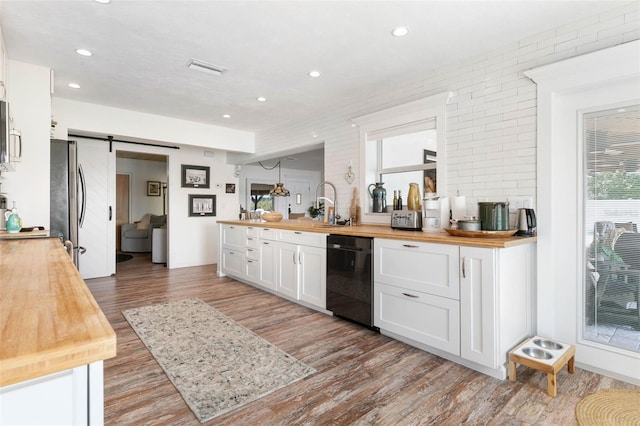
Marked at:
<point>363,377</point>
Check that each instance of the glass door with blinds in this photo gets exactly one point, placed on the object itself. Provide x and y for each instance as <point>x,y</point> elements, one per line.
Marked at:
<point>611,184</point>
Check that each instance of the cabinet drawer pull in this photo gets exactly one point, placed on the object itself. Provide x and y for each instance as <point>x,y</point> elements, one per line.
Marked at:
<point>410,246</point>
<point>249,249</point>
<point>265,243</point>
<point>232,227</point>
<point>249,261</point>
<point>298,232</point>
<point>250,239</point>
<point>411,295</point>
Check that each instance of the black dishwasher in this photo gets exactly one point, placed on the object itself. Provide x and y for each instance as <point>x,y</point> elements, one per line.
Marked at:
<point>349,278</point>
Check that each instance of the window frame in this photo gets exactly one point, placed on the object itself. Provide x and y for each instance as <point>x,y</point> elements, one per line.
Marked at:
<point>401,119</point>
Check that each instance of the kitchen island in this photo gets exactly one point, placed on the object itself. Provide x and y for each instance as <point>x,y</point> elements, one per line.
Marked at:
<point>467,299</point>
<point>54,338</point>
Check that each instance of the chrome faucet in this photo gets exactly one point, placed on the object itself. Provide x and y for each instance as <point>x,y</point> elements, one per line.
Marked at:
<point>334,201</point>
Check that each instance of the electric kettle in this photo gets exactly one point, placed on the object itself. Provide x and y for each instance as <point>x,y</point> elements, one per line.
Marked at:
<point>526,222</point>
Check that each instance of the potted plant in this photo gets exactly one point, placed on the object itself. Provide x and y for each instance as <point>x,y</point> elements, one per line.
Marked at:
<point>315,212</point>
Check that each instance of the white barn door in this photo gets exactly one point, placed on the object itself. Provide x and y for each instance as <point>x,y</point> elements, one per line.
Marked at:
<point>95,213</point>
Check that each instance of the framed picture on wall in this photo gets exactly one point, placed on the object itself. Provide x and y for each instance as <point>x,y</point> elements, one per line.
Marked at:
<point>230,188</point>
<point>195,176</point>
<point>202,205</point>
<point>153,188</point>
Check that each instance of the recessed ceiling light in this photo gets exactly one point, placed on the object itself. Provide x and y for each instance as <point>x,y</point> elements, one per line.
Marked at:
<point>102,1</point>
<point>314,74</point>
<point>226,116</point>
<point>400,31</point>
<point>83,52</point>
<point>261,99</point>
<point>74,85</point>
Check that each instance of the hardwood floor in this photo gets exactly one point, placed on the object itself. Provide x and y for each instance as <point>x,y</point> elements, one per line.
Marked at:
<point>363,377</point>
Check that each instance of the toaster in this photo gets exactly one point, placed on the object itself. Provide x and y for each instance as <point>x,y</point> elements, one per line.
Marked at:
<point>406,219</point>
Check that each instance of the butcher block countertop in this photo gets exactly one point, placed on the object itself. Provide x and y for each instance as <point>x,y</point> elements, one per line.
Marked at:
<point>49,320</point>
<point>383,231</point>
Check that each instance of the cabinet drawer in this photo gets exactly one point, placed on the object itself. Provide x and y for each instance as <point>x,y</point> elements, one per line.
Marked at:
<point>268,234</point>
<point>233,236</point>
<point>312,239</point>
<point>232,262</point>
<point>252,253</point>
<point>427,319</point>
<point>252,231</point>
<point>252,269</point>
<point>424,267</point>
<point>252,242</point>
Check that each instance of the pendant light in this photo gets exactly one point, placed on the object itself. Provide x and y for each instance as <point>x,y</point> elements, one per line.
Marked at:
<point>278,190</point>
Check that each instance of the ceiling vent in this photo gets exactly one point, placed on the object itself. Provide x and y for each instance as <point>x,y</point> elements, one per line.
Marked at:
<point>205,67</point>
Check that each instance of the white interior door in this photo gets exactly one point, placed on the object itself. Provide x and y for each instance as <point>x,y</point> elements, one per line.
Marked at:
<point>300,198</point>
<point>95,211</point>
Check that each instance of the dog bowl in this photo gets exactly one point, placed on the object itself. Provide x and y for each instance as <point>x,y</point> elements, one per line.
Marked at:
<point>537,353</point>
<point>548,344</point>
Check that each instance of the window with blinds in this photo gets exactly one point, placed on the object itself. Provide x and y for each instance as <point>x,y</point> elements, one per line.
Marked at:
<point>611,223</point>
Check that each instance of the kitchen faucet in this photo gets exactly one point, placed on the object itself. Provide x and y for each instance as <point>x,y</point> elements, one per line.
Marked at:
<point>335,196</point>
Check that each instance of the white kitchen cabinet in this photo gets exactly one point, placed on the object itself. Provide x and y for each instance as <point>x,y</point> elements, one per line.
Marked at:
<point>424,267</point>
<point>232,262</point>
<point>289,263</point>
<point>424,318</point>
<point>287,270</point>
<point>70,397</point>
<point>312,274</point>
<point>495,302</point>
<point>268,265</point>
<point>468,304</point>
<point>233,236</point>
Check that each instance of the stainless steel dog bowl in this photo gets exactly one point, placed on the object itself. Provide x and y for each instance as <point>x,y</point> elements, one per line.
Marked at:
<point>537,353</point>
<point>547,344</point>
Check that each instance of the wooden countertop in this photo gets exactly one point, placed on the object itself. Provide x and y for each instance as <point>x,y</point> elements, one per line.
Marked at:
<point>49,320</point>
<point>382,231</point>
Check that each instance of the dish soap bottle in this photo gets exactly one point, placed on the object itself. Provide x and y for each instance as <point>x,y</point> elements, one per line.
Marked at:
<point>14,223</point>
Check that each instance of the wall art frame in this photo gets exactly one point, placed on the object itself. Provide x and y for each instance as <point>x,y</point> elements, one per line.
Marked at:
<point>195,176</point>
<point>153,188</point>
<point>201,205</point>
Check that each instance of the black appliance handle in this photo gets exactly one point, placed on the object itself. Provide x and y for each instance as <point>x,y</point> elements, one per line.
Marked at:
<point>339,247</point>
<point>83,189</point>
<point>110,213</point>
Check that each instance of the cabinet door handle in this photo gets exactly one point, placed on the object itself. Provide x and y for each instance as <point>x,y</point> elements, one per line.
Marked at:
<point>413,296</point>
<point>294,258</point>
<point>464,272</point>
<point>300,258</point>
<point>409,246</point>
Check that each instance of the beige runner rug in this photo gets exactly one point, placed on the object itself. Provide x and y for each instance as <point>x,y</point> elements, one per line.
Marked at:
<point>618,407</point>
<point>216,364</point>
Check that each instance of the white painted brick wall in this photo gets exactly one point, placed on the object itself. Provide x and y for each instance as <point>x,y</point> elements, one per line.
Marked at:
<point>491,120</point>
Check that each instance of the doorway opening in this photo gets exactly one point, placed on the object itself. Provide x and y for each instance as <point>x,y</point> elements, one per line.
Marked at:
<point>141,207</point>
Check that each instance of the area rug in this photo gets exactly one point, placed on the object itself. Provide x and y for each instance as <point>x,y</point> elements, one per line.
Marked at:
<point>610,407</point>
<point>216,364</point>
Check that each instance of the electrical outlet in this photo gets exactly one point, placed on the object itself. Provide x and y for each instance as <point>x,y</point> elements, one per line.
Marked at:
<point>519,202</point>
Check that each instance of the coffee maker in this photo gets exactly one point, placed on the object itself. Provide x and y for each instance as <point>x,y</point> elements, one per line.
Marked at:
<point>435,214</point>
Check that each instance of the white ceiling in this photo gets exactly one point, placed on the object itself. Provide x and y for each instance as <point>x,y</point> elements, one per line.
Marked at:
<point>142,48</point>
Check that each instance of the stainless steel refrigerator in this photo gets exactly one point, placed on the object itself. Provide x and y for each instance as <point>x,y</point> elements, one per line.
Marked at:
<point>67,194</point>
